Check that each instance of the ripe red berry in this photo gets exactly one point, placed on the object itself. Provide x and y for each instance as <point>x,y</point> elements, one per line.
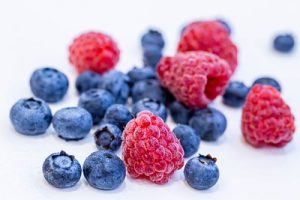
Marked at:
<point>94,51</point>
<point>209,36</point>
<point>266,118</point>
<point>194,78</point>
<point>150,149</point>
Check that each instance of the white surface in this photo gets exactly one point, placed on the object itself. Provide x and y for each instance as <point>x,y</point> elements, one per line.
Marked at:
<point>37,33</point>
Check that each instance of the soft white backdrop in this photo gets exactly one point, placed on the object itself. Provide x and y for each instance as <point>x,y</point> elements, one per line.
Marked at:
<point>37,33</point>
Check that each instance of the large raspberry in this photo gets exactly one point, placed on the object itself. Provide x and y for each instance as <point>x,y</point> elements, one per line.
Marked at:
<point>266,119</point>
<point>150,150</point>
<point>94,51</point>
<point>194,78</point>
<point>209,36</point>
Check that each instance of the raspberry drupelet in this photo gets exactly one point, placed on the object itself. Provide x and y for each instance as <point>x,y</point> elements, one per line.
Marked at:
<point>267,120</point>
<point>150,149</point>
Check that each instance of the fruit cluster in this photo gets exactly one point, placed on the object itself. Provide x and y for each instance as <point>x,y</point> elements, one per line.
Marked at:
<point>130,110</point>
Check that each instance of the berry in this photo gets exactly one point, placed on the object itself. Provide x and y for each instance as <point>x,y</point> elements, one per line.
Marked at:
<point>194,78</point>
<point>150,89</point>
<point>61,170</point>
<point>150,150</point>
<point>108,137</point>
<point>30,116</point>
<point>153,37</point>
<point>284,43</point>
<point>156,107</point>
<point>268,81</point>
<point>210,36</point>
<point>87,80</point>
<point>117,83</point>
<point>208,123</point>
<point>266,118</point>
<point>235,94</point>
<point>49,84</point>
<point>96,102</point>
<point>104,170</point>
<point>151,55</point>
<point>72,123</point>
<point>188,139</point>
<point>94,51</point>
<point>180,113</point>
<point>225,24</point>
<point>201,172</point>
<point>118,115</point>
<point>140,74</point>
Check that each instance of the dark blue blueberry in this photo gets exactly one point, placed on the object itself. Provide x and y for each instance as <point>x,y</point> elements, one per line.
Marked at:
<point>150,89</point>
<point>156,107</point>
<point>96,102</point>
<point>235,94</point>
<point>30,116</point>
<point>201,172</point>
<point>87,80</point>
<point>225,24</point>
<point>140,74</point>
<point>153,37</point>
<point>180,113</point>
<point>268,81</point>
<point>104,170</point>
<point>118,115</point>
<point>208,123</point>
<point>108,137</point>
<point>151,55</point>
<point>72,123</point>
<point>284,43</point>
<point>49,84</point>
<point>61,170</point>
<point>117,83</point>
<point>188,139</point>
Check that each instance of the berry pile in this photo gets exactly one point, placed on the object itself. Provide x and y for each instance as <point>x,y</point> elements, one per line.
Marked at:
<point>129,111</point>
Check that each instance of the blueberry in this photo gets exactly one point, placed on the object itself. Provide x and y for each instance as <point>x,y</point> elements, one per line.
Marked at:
<point>188,139</point>
<point>151,55</point>
<point>153,37</point>
<point>61,170</point>
<point>268,81</point>
<point>104,170</point>
<point>30,116</point>
<point>180,113</point>
<point>140,74</point>
<point>150,89</point>
<point>96,102</point>
<point>72,123</point>
<point>156,107</point>
<point>208,123</point>
<point>118,115</point>
<point>87,80</point>
<point>225,24</point>
<point>108,137</point>
<point>49,84</point>
<point>117,83</point>
<point>284,43</point>
<point>235,94</point>
<point>201,172</point>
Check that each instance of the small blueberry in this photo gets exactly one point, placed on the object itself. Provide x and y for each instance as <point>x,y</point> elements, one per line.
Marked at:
<point>235,94</point>
<point>156,107</point>
<point>87,80</point>
<point>108,137</point>
<point>284,43</point>
<point>268,81</point>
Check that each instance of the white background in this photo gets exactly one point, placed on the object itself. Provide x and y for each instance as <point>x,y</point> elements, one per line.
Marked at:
<point>37,33</point>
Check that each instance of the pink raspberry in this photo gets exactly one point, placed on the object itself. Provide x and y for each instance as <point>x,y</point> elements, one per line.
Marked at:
<point>266,118</point>
<point>194,78</point>
<point>150,149</point>
<point>94,51</point>
<point>209,36</point>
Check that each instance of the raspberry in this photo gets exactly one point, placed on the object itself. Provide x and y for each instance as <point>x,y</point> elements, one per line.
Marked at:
<point>94,51</point>
<point>209,36</point>
<point>266,118</point>
<point>150,149</point>
<point>194,78</point>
